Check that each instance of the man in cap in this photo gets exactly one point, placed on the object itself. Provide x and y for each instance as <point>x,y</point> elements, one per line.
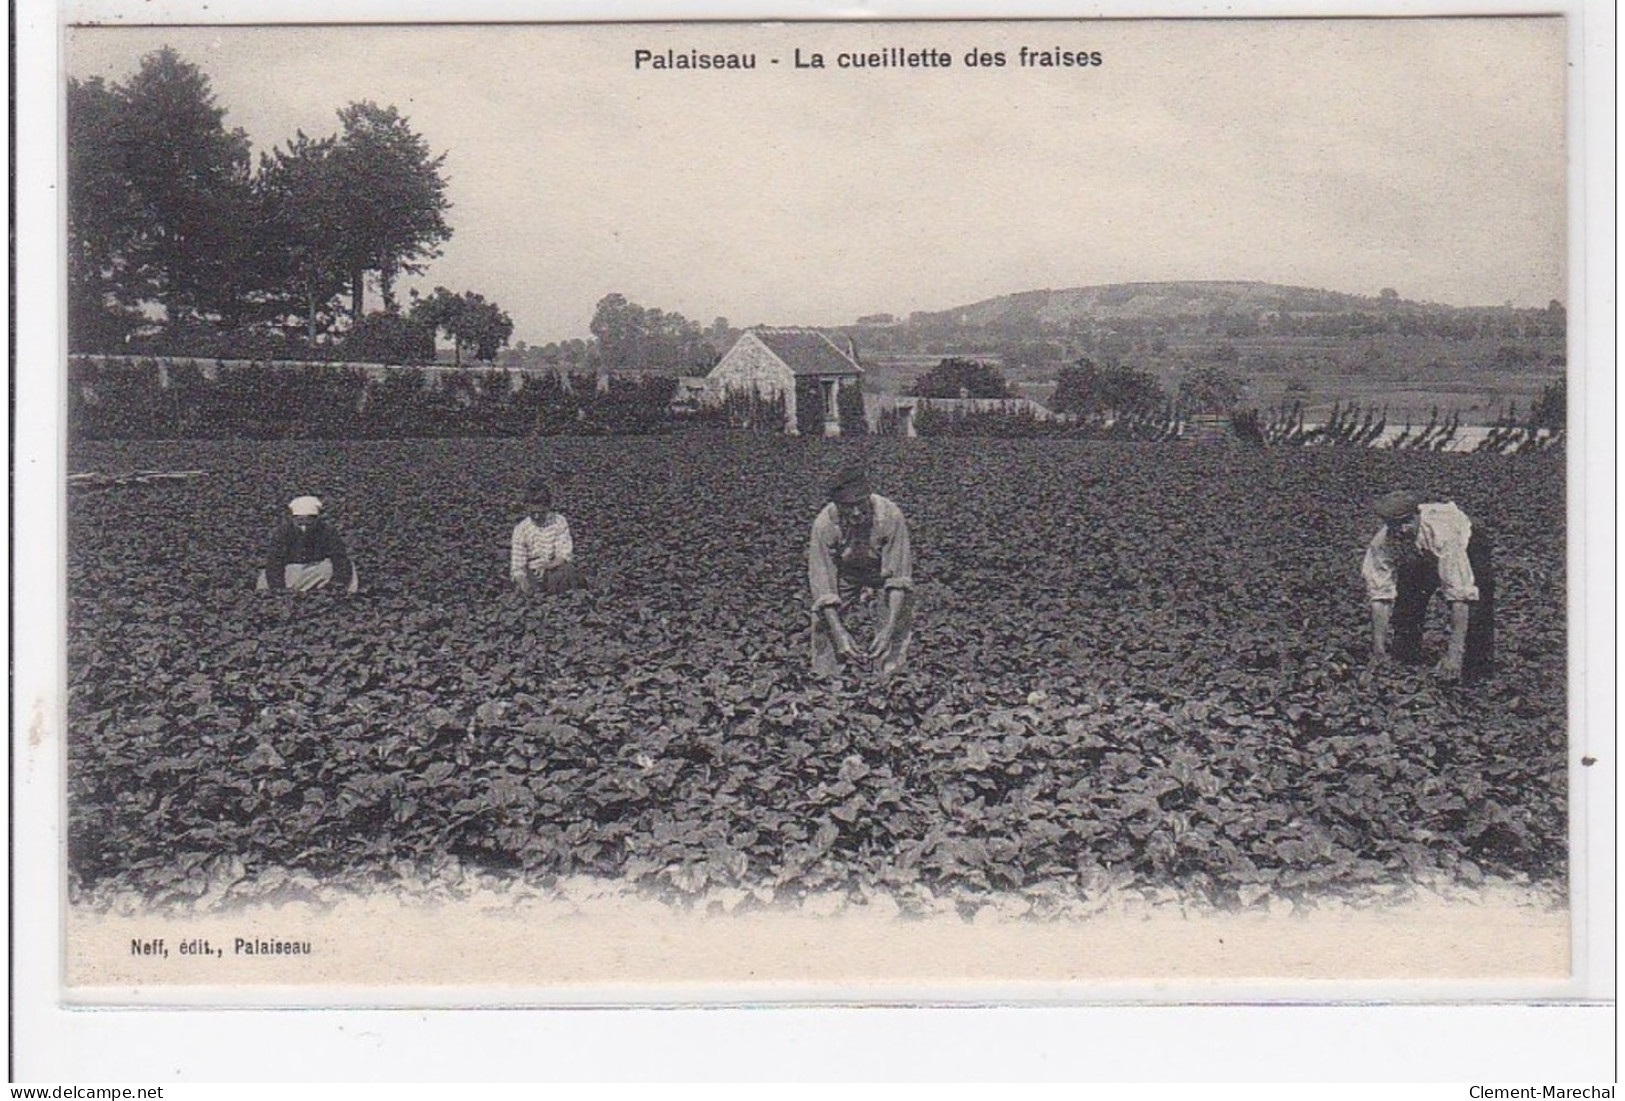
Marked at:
<point>1424,547</point>
<point>306,552</point>
<point>542,553</point>
<point>859,547</point>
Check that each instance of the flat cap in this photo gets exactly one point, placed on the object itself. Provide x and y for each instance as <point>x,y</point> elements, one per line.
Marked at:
<point>305,506</point>
<point>1397,505</point>
<point>849,486</point>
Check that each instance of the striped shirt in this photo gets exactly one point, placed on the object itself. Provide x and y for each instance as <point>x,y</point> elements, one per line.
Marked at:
<point>539,547</point>
<point>1442,532</point>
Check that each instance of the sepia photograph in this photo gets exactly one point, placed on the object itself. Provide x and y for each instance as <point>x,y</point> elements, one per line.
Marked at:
<point>1031,510</point>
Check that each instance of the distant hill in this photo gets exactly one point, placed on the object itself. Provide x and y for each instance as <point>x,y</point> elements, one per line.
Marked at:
<point>1287,343</point>
<point>1143,301</point>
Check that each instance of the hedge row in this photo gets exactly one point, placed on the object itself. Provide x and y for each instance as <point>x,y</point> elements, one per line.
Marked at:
<point>179,399</point>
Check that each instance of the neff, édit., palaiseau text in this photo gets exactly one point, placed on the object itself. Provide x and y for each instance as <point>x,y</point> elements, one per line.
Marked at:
<point>240,946</point>
<point>891,57</point>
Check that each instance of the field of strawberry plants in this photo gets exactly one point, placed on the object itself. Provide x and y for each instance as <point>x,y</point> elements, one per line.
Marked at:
<point>1137,667</point>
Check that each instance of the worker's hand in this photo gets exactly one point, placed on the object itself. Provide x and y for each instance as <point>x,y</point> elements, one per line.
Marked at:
<point>524,584</point>
<point>1379,655</point>
<point>845,648</point>
<point>1449,667</point>
<point>882,641</point>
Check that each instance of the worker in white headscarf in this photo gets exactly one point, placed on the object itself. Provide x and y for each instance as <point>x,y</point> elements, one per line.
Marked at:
<point>307,552</point>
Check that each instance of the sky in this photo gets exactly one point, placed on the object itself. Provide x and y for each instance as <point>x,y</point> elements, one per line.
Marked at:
<point>1425,155</point>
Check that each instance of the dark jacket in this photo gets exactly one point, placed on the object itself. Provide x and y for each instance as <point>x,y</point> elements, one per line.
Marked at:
<point>289,544</point>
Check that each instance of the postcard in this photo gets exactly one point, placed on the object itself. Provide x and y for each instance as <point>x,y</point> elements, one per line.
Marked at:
<point>1028,511</point>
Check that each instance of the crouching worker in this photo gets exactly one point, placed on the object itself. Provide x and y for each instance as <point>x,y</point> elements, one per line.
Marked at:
<point>1425,547</point>
<point>859,550</point>
<point>542,554</point>
<point>307,553</point>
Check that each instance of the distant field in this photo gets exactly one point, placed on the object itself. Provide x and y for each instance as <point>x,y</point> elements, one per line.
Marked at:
<point>1410,378</point>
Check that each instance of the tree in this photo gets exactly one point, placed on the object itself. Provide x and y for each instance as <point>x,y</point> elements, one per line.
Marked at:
<point>441,312</point>
<point>165,210</point>
<point>160,204</point>
<point>1112,391</point>
<point>617,326</point>
<point>1556,319</point>
<point>369,199</point>
<point>468,319</point>
<point>387,336</point>
<point>103,288</point>
<point>1551,408</point>
<point>1210,390</point>
<point>394,214</point>
<point>961,378</point>
<point>487,327</point>
<point>189,179</point>
<point>631,337</point>
<point>303,213</point>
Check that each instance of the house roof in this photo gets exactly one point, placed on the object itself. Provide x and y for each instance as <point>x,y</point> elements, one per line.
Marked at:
<point>807,352</point>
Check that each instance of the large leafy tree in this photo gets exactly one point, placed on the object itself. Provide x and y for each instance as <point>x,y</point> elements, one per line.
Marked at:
<point>467,319</point>
<point>189,179</point>
<point>304,210</point>
<point>617,326</point>
<point>488,327</point>
<point>369,200</point>
<point>961,378</point>
<point>395,199</point>
<point>1113,390</point>
<point>160,207</point>
<point>631,337</point>
<point>103,287</point>
<point>164,210</point>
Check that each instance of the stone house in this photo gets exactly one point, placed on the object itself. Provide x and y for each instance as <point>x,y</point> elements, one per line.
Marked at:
<point>771,360</point>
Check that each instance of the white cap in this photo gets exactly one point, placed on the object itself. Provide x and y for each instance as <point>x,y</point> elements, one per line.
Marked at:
<point>305,506</point>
